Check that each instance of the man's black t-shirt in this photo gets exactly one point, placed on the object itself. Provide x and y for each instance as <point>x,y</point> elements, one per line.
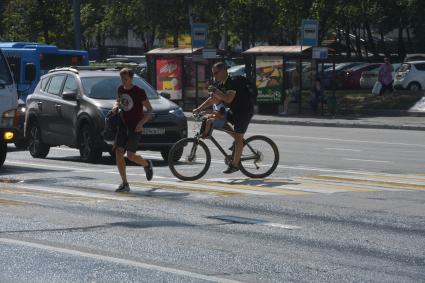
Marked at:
<point>241,104</point>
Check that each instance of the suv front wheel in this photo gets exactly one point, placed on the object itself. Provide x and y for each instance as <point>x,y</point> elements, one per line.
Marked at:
<point>88,150</point>
<point>36,147</point>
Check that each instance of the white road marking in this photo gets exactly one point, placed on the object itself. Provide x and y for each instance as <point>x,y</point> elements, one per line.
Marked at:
<point>346,140</point>
<point>367,160</point>
<point>117,260</point>
<point>243,220</point>
<point>341,149</point>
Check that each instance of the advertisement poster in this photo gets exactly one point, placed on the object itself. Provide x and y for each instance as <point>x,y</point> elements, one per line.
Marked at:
<point>169,76</point>
<point>269,79</point>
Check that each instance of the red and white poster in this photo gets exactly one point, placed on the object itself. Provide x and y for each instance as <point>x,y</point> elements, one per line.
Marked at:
<point>169,76</point>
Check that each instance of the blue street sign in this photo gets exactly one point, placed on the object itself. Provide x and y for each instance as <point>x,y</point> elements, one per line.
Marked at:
<point>199,35</point>
<point>310,32</point>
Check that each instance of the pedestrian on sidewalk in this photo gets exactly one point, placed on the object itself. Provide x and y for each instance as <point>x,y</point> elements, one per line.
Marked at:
<point>385,76</point>
<point>129,105</point>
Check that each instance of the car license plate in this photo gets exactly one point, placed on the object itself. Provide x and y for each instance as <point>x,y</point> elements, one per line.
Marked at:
<point>153,131</point>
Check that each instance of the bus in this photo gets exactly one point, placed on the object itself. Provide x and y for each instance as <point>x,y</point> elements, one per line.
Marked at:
<point>38,58</point>
<point>8,104</point>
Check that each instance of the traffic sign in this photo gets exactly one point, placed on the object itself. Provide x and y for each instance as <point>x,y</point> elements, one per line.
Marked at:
<point>199,35</point>
<point>310,32</point>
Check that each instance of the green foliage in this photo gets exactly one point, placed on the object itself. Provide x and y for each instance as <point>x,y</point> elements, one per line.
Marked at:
<point>240,21</point>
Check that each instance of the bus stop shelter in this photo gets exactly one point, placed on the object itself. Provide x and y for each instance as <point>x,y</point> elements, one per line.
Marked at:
<point>271,67</point>
<point>183,73</point>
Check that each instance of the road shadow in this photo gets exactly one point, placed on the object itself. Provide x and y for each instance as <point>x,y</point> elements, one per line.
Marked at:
<point>15,169</point>
<point>143,224</point>
<point>158,192</point>
<point>267,182</point>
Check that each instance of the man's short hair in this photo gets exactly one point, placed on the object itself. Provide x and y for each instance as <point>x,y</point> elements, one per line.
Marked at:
<point>127,71</point>
<point>220,66</point>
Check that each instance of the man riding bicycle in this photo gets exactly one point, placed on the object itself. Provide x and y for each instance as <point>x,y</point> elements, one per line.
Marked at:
<point>233,93</point>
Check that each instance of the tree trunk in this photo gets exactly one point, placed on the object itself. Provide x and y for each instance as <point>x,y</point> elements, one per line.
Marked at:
<point>401,48</point>
<point>371,42</point>
<point>347,41</point>
<point>44,23</point>
<point>76,12</point>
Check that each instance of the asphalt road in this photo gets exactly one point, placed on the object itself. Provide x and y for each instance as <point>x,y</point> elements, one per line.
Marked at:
<point>344,205</point>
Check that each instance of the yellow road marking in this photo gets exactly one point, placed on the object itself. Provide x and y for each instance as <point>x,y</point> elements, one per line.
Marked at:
<point>338,187</point>
<point>391,177</point>
<point>11,202</point>
<point>369,182</point>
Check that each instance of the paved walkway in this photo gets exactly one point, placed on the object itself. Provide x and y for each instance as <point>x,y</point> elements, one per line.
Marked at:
<point>393,122</point>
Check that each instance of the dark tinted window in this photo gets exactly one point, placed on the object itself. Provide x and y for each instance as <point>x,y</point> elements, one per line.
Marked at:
<point>56,84</point>
<point>5,77</point>
<point>106,87</point>
<point>71,85</point>
<point>420,67</point>
<point>14,64</point>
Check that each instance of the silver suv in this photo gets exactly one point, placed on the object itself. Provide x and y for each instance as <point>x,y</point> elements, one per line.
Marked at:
<point>69,106</point>
<point>411,76</point>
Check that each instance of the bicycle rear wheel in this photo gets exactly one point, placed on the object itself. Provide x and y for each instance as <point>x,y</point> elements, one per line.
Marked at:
<point>260,157</point>
<point>194,161</point>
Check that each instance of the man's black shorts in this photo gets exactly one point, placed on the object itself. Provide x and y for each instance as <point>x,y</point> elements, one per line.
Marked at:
<point>240,121</point>
<point>127,139</point>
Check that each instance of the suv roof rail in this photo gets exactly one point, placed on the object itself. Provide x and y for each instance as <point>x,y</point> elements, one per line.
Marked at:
<point>70,69</point>
<point>75,69</point>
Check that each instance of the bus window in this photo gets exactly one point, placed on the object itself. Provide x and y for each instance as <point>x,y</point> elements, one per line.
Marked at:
<point>51,61</point>
<point>5,77</point>
<point>14,64</point>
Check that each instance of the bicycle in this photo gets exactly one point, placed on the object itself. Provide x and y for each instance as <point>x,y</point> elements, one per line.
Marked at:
<point>260,155</point>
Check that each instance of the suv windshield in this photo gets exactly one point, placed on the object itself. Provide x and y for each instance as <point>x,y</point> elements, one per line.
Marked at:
<point>106,87</point>
<point>5,77</point>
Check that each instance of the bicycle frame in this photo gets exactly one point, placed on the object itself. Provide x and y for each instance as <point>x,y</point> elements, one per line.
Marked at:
<point>229,157</point>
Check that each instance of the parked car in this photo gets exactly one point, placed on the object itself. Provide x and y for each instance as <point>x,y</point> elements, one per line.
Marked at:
<point>238,70</point>
<point>329,76</point>
<point>368,78</point>
<point>351,78</point>
<point>414,57</point>
<point>307,73</point>
<point>69,106</point>
<point>411,76</point>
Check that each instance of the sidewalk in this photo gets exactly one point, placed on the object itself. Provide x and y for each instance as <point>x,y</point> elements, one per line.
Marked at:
<point>393,122</point>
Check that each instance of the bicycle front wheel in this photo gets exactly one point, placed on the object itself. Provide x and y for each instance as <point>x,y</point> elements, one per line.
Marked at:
<point>260,157</point>
<point>194,161</point>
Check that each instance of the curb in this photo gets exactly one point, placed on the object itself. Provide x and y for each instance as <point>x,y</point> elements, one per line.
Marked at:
<point>306,122</point>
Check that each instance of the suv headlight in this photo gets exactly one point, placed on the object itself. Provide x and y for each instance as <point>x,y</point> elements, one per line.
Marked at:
<point>177,112</point>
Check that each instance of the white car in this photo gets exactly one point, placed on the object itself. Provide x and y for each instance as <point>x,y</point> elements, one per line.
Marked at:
<point>411,76</point>
<point>238,70</point>
<point>368,78</point>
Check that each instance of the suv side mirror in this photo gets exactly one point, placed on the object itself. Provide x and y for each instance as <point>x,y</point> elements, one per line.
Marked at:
<point>29,72</point>
<point>165,95</point>
<point>70,95</point>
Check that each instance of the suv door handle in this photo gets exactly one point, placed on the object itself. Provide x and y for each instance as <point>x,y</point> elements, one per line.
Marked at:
<point>58,107</point>
<point>40,105</point>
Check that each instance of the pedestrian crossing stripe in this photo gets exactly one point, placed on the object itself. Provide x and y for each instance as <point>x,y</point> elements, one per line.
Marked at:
<point>294,186</point>
<point>217,187</point>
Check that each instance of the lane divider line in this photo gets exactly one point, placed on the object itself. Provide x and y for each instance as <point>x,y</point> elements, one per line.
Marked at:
<point>116,260</point>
